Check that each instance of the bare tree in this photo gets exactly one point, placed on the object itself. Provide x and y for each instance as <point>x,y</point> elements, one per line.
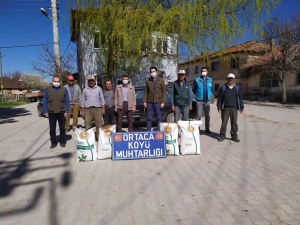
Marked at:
<point>15,74</point>
<point>45,63</point>
<point>284,53</point>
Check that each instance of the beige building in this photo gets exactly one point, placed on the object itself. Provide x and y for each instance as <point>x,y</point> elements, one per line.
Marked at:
<point>219,63</point>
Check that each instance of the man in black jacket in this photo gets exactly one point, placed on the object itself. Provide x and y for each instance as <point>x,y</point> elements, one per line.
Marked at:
<point>229,102</point>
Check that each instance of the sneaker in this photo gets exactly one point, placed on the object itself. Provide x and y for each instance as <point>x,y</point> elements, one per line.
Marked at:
<point>221,139</point>
<point>235,139</point>
<point>62,145</point>
<point>207,131</point>
<point>53,146</point>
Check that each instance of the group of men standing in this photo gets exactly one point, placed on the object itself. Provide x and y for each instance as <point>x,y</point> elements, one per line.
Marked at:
<point>62,102</point>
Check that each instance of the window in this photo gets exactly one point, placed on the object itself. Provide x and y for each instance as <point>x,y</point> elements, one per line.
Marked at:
<point>234,63</point>
<point>268,80</point>
<point>196,69</point>
<point>217,87</point>
<point>214,66</point>
<point>99,40</point>
<point>165,46</point>
<point>96,40</point>
<point>140,95</point>
<point>187,72</point>
<point>158,46</point>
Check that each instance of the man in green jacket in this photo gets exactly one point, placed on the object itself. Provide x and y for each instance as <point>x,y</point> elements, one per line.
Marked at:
<point>154,97</point>
<point>181,97</point>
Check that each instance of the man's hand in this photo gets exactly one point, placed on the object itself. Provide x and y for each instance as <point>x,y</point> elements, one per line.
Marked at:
<point>116,110</point>
<point>162,105</point>
<point>134,110</point>
<point>241,110</point>
<point>145,104</point>
<point>219,110</point>
<point>173,108</point>
<point>46,115</point>
<point>65,114</point>
<point>103,111</point>
<point>82,113</point>
<point>190,107</point>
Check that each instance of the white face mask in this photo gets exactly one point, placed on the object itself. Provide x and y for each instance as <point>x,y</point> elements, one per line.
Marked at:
<point>153,75</point>
<point>125,82</point>
<point>56,84</point>
<point>203,73</point>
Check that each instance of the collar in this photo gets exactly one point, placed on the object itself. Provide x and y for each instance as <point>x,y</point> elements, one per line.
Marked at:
<point>230,86</point>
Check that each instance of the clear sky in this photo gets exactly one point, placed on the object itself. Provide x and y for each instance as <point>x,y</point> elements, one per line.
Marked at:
<point>22,24</point>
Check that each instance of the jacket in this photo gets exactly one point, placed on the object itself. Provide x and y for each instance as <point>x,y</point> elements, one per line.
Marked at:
<point>181,94</point>
<point>77,94</point>
<point>155,96</point>
<point>198,88</point>
<point>119,97</point>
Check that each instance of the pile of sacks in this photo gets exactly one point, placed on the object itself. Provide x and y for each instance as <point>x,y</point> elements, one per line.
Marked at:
<point>190,140</point>
<point>86,146</point>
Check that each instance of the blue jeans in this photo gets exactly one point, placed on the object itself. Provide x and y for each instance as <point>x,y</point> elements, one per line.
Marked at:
<point>151,108</point>
<point>184,111</point>
<point>206,106</point>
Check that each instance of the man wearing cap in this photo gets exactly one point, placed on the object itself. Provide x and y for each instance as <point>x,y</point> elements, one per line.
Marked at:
<point>93,105</point>
<point>56,107</point>
<point>75,100</point>
<point>229,102</point>
<point>108,93</point>
<point>181,97</point>
<point>154,97</point>
<point>125,103</point>
<point>203,88</point>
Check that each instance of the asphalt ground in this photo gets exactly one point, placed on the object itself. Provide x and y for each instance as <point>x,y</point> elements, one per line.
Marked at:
<point>255,181</point>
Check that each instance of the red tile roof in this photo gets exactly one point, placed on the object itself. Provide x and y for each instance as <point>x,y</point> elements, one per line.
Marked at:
<point>249,46</point>
<point>13,83</point>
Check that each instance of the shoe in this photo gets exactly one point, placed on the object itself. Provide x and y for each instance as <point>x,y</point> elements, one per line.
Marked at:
<point>221,139</point>
<point>62,145</point>
<point>207,131</point>
<point>53,146</point>
<point>235,139</point>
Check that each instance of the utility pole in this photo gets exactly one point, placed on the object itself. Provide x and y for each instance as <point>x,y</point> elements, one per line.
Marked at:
<point>1,76</point>
<point>54,4</point>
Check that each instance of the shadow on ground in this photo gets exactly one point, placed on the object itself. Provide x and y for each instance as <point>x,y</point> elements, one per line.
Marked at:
<point>7,114</point>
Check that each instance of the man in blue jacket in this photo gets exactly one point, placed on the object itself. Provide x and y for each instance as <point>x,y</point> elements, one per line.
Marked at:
<point>230,101</point>
<point>56,107</point>
<point>203,88</point>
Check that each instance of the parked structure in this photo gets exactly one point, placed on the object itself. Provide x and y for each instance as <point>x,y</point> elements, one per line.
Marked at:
<point>13,88</point>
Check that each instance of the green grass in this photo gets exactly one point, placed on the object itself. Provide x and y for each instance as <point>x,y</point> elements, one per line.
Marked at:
<point>12,103</point>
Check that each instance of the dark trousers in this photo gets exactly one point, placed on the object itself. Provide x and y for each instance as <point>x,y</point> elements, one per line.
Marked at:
<point>128,113</point>
<point>53,117</point>
<point>109,116</point>
<point>229,112</point>
<point>151,108</point>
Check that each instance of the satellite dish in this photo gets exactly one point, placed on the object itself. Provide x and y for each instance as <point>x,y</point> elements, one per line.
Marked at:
<point>45,13</point>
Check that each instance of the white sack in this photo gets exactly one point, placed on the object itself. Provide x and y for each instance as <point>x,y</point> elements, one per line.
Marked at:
<point>190,139</point>
<point>105,142</point>
<point>171,134</point>
<point>85,145</point>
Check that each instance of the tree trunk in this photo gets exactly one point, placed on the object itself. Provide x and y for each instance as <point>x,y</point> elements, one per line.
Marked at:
<point>283,88</point>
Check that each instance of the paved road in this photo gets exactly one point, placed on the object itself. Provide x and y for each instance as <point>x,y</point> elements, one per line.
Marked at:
<point>255,181</point>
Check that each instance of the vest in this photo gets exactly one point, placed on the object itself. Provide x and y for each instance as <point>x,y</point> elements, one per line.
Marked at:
<point>56,100</point>
<point>181,93</point>
<point>199,90</point>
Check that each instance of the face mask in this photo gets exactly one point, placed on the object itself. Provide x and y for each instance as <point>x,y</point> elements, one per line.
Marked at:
<point>56,84</point>
<point>125,82</point>
<point>153,75</point>
<point>203,73</point>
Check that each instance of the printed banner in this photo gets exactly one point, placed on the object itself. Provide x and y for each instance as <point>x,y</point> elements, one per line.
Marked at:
<point>138,145</point>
